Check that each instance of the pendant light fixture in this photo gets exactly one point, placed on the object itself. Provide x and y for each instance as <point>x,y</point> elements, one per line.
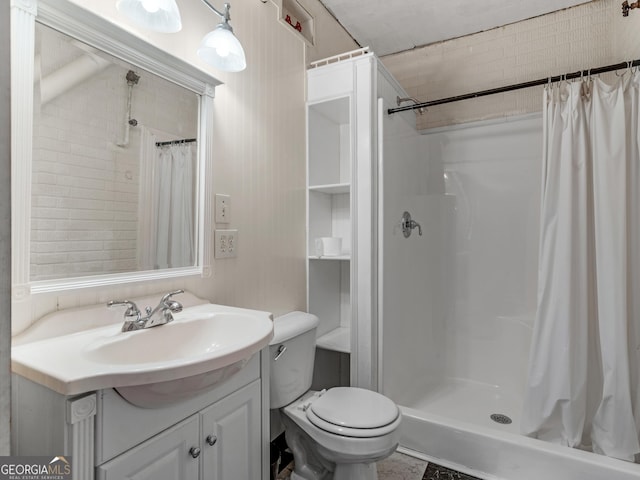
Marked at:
<point>220,48</point>
<point>158,15</point>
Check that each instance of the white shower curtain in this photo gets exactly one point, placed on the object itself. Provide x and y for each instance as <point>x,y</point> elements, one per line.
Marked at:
<point>583,386</point>
<point>173,191</point>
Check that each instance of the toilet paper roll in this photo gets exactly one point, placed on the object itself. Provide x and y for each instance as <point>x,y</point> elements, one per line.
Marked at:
<point>328,246</point>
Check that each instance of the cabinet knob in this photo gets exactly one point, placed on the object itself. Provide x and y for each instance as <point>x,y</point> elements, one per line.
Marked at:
<point>211,440</point>
<point>194,452</point>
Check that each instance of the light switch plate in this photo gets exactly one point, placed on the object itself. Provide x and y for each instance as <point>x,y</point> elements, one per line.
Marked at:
<point>226,243</point>
<point>223,208</point>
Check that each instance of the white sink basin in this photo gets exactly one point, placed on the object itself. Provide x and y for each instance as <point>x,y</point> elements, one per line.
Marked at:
<point>203,346</point>
<point>198,333</point>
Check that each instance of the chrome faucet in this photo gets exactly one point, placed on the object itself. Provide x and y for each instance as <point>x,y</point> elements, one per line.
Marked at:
<point>161,314</point>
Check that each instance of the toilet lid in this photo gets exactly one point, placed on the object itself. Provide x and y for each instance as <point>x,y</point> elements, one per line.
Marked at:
<point>353,408</point>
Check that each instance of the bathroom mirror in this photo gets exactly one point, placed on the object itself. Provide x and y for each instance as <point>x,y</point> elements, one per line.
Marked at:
<point>114,174</point>
<point>109,182</point>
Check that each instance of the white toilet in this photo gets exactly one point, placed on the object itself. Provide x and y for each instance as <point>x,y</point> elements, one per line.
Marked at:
<point>334,434</point>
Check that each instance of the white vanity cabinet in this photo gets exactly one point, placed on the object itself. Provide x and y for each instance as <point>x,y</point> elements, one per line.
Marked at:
<point>231,446</point>
<point>220,434</point>
<point>164,457</point>
<point>219,442</point>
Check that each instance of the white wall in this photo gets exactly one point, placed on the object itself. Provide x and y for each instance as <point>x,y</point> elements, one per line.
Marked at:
<point>460,300</point>
<point>411,283</point>
<point>259,159</point>
<point>331,38</point>
<point>5,233</point>
<point>586,36</point>
<point>492,178</point>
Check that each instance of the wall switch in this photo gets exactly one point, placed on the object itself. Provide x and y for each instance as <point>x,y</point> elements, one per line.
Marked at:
<point>223,208</point>
<point>226,243</point>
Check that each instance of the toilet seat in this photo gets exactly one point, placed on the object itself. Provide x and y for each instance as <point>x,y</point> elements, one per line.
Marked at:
<point>353,412</point>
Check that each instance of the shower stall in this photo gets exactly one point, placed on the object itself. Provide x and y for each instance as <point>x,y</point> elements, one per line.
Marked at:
<point>434,299</point>
<point>466,287</point>
<point>456,305</point>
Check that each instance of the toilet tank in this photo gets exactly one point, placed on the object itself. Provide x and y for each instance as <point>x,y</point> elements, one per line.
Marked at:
<point>292,352</point>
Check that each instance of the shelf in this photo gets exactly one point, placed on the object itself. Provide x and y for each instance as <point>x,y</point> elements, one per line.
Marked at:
<point>345,257</point>
<point>333,189</point>
<point>298,19</point>
<point>329,144</point>
<point>338,340</point>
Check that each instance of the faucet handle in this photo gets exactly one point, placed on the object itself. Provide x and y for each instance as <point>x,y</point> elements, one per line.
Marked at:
<point>169,295</point>
<point>172,305</point>
<point>131,311</point>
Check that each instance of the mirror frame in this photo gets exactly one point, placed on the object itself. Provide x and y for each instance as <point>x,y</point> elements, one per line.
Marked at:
<point>89,28</point>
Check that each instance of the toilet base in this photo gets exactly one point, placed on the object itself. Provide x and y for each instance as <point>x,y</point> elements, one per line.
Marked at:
<point>350,471</point>
<point>355,471</point>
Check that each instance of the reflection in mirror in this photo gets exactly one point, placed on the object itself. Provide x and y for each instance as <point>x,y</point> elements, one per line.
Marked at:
<point>114,165</point>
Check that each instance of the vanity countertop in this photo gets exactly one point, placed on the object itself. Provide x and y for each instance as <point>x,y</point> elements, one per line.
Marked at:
<point>201,339</point>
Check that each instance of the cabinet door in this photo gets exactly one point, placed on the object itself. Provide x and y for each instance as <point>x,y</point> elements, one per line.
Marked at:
<point>166,456</point>
<point>233,426</point>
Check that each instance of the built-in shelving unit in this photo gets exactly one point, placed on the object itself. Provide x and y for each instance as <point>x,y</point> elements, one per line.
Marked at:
<point>340,203</point>
<point>329,201</point>
<point>331,189</point>
<point>338,340</point>
<point>330,257</point>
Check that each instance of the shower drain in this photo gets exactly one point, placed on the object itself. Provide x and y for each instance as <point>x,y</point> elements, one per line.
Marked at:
<point>500,418</point>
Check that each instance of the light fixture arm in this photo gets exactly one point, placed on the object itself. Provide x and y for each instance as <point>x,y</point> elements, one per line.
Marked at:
<point>224,15</point>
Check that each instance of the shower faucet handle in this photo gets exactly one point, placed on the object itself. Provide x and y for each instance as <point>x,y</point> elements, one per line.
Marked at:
<point>408,225</point>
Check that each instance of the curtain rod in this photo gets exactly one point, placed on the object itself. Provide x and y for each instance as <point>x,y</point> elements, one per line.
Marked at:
<point>176,142</point>
<point>517,86</point>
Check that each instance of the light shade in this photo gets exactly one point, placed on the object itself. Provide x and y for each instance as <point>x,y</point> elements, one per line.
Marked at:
<point>222,50</point>
<point>159,15</point>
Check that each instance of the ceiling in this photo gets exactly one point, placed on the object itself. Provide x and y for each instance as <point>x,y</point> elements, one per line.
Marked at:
<point>391,26</point>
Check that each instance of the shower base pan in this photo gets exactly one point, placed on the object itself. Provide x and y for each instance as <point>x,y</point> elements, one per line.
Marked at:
<point>451,425</point>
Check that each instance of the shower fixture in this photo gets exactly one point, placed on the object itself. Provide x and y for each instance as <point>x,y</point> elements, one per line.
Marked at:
<point>132,80</point>
<point>400,101</point>
<point>219,48</point>
<point>408,225</point>
<point>626,6</point>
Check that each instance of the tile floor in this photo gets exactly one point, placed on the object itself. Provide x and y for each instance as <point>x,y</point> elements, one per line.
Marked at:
<point>403,467</point>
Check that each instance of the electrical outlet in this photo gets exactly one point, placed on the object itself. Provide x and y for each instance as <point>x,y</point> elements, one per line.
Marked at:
<point>226,243</point>
<point>223,208</point>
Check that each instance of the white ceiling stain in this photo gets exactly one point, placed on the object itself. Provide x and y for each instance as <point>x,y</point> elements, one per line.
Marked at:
<point>391,26</point>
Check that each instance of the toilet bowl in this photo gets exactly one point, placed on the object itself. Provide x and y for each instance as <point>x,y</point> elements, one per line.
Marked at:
<point>337,433</point>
